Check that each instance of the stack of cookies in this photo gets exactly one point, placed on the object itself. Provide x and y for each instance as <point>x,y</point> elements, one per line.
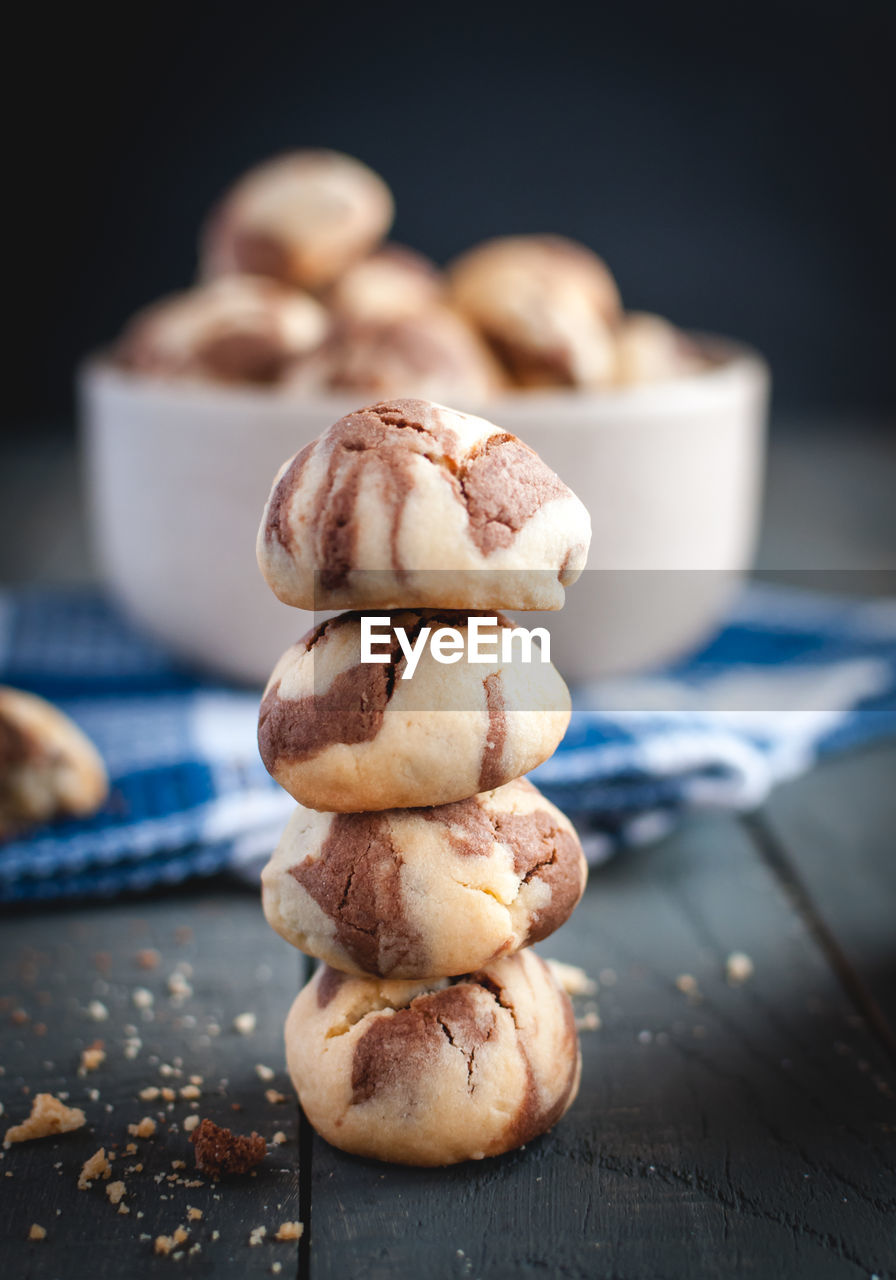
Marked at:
<point>419,864</point>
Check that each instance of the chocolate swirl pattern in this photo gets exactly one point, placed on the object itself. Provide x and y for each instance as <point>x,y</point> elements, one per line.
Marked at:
<point>419,864</point>
<point>377,511</point>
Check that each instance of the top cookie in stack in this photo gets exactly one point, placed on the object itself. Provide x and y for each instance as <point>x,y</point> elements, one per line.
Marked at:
<point>407,504</point>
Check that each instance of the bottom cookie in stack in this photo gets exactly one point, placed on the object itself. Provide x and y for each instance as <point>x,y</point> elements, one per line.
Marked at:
<point>438,1071</point>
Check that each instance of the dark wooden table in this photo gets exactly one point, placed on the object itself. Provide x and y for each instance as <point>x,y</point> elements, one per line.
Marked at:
<point>745,1129</point>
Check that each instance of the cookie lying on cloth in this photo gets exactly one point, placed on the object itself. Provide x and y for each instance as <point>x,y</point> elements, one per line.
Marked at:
<point>303,218</point>
<point>411,893</point>
<point>48,768</point>
<point>410,504</point>
<point>342,734</point>
<point>433,1073</point>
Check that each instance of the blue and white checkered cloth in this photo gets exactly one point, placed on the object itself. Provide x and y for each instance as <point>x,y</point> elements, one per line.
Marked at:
<point>792,678</point>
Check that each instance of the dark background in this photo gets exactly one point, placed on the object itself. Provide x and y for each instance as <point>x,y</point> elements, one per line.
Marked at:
<point>734,164</point>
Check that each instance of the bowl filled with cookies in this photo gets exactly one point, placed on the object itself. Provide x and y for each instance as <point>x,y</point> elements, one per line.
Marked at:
<point>304,312</point>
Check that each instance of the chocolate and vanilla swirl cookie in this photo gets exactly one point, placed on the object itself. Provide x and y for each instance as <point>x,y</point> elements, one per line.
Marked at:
<point>547,305</point>
<point>48,767</point>
<point>438,1072</point>
<point>340,734</point>
<point>303,218</point>
<point>407,504</point>
<point>411,893</point>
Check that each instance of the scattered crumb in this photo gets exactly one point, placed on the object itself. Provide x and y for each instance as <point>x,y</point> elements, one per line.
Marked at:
<point>48,1116</point>
<point>190,1091</point>
<point>190,1123</point>
<point>290,1231</point>
<point>165,1244</point>
<point>143,998</point>
<point>131,1149</point>
<point>193,1214</point>
<point>37,1232</point>
<point>96,1166</point>
<point>257,1234</point>
<point>179,988</point>
<point>738,968</point>
<point>97,1010</point>
<point>115,1191</point>
<point>216,1235</point>
<point>149,1094</point>
<point>274,1095</point>
<point>92,1057</point>
<point>687,984</point>
<point>178,1164</point>
<point>279,1138</point>
<point>588,1021</point>
<point>148,958</point>
<point>276,1268</point>
<point>263,1072</point>
<point>573,980</point>
<point>132,1047</point>
<point>244,1023</point>
<point>168,1095</point>
<point>145,1129</point>
<point>122,1208</point>
<point>219,1151</point>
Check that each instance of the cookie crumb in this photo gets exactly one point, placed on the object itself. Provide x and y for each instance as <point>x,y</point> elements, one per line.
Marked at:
<point>279,1138</point>
<point>573,980</point>
<point>37,1232</point>
<point>95,1166</point>
<point>290,1231</point>
<point>190,1123</point>
<point>149,1094</point>
<point>263,1072</point>
<point>48,1116</point>
<point>97,1010</point>
<point>148,958</point>
<point>219,1151</point>
<point>145,1129</point>
<point>115,1191</point>
<point>193,1214</point>
<point>276,1268</point>
<point>92,1057</point>
<point>274,1095</point>
<point>257,1234</point>
<point>739,968</point>
<point>687,985</point>
<point>190,1091</point>
<point>165,1244</point>
<point>244,1023</point>
<point>588,1021</point>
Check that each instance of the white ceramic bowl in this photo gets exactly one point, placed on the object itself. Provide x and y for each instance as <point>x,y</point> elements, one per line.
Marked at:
<point>178,475</point>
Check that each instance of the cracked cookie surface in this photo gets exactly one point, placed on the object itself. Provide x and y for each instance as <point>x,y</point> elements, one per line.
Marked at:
<point>420,892</point>
<point>432,1073</point>
<point>409,504</point>
<point>343,735</point>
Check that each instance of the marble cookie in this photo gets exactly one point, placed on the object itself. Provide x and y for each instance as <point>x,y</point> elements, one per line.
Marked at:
<point>344,735</point>
<point>412,893</point>
<point>303,218</point>
<point>434,1073</point>
<point>236,329</point>
<point>48,767</point>
<point>408,504</point>
<point>546,304</point>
